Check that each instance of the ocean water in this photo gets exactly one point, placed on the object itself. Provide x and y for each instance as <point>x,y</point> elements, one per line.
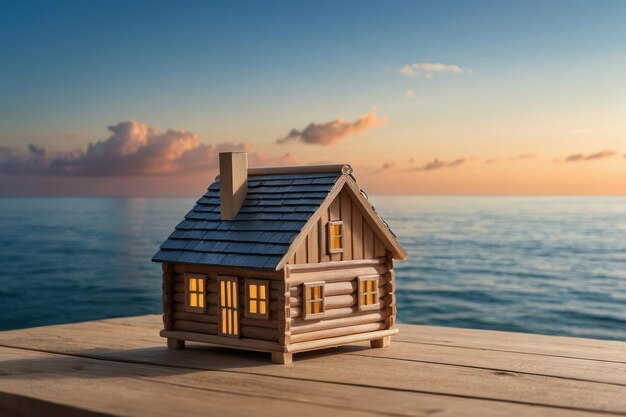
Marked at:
<point>551,265</point>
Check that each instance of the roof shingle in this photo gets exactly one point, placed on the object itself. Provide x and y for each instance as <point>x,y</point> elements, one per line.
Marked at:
<point>276,208</point>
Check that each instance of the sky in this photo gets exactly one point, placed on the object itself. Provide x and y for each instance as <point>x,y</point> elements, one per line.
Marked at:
<point>420,97</point>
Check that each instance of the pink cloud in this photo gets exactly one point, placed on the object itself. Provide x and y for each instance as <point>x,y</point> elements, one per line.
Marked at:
<point>607,153</point>
<point>438,164</point>
<point>133,149</point>
<point>386,166</point>
<point>335,131</point>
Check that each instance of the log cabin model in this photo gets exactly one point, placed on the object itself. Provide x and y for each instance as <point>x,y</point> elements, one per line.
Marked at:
<point>281,260</point>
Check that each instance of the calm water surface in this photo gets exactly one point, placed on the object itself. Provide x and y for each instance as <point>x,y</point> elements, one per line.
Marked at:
<point>552,265</point>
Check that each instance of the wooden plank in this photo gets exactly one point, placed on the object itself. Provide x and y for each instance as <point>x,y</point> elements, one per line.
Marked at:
<point>379,247</point>
<point>339,301</point>
<point>368,241</point>
<point>581,348</point>
<point>197,327</point>
<point>301,252</point>
<point>507,385</point>
<point>322,240</point>
<point>334,332</point>
<point>284,327</point>
<point>214,271</point>
<point>328,266</point>
<point>335,313</point>
<point>171,390</point>
<point>334,213</point>
<point>312,325</point>
<point>346,216</point>
<point>139,390</point>
<point>168,295</point>
<point>514,363</point>
<point>313,250</point>
<point>244,343</point>
<point>334,288</point>
<point>344,169</point>
<point>336,275</point>
<point>357,232</point>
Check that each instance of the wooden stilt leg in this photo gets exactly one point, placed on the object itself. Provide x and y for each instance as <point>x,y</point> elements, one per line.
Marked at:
<point>381,343</point>
<point>282,357</point>
<point>175,343</point>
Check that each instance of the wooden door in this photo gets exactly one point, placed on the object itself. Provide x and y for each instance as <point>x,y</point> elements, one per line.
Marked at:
<point>228,318</point>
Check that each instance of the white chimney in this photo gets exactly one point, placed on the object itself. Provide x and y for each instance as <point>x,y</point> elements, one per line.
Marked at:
<point>233,182</point>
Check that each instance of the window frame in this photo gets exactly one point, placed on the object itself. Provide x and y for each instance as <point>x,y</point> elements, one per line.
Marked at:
<point>306,300</point>
<point>266,299</point>
<point>330,237</point>
<point>375,293</point>
<point>188,307</point>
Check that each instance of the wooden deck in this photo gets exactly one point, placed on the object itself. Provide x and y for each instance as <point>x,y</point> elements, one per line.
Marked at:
<point>121,367</point>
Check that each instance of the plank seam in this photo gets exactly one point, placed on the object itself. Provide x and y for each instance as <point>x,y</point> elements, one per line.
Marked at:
<point>396,389</point>
<point>509,351</point>
<point>509,371</point>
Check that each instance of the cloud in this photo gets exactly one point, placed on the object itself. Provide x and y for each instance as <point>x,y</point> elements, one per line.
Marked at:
<point>437,164</point>
<point>36,150</point>
<point>133,149</point>
<point>524,156</point>
<point>410,94</point>
<point>607,153</point>
<point>386,166</point>
<point>428,70</point>
<point>335,131</point>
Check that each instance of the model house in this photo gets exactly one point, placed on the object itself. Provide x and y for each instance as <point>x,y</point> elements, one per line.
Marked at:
<point>282,260</point>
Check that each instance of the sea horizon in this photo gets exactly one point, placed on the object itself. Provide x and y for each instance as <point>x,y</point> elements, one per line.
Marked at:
<point>541,264</point>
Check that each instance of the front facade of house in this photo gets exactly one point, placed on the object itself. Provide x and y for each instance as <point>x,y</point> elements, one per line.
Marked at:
<point>305,263</point>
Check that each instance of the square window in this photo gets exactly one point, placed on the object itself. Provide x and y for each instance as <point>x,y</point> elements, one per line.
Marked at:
<point>313,300</point>
<point>257,298</point>
<point>368,293</point>
<point>195,293</point>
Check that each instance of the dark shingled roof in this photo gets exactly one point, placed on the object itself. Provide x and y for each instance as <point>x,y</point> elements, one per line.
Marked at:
<point>274,212</point>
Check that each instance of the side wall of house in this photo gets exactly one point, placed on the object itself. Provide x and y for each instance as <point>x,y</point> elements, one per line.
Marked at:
<point>176,318</point>
<point>342,316</point>
<point>359,239</point>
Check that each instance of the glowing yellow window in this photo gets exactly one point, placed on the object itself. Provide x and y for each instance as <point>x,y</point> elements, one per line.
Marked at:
<point>335,236</point>
<point>313,293</point>
<point>368,293</point>
<point>257,296</point>
<point>195,293</point>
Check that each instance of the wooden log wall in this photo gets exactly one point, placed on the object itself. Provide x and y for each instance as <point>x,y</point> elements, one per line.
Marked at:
<point>342,316</point>
<point>168,296</point>
<point>284,314</point>
<point>359,238</point>
<point>176,318</point>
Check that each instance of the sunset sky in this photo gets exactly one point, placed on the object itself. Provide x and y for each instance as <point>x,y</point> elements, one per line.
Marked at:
<point>473,97</point>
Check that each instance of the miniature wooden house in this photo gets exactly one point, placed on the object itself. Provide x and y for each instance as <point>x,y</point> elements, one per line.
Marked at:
<point>283,260</point>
